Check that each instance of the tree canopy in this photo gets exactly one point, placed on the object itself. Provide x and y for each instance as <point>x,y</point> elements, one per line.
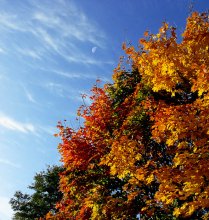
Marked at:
<point>46,195</point>
<point>144,146</point>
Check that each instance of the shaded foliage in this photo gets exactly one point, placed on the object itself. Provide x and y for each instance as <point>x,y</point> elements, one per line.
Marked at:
<point>46,194</point>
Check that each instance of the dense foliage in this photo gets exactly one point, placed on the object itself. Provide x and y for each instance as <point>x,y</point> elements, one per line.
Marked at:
<point>144,145</point>
<point>46,195</point>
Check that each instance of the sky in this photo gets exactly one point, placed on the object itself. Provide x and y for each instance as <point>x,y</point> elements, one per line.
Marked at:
<point>51,52</point>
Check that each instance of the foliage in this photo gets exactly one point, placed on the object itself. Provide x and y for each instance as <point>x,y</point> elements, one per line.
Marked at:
<point>46,194</point>
<point>143,148</point>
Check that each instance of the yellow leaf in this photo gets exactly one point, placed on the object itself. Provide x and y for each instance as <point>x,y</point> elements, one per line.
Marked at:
<point>150,179</point>
<point>176,212</point>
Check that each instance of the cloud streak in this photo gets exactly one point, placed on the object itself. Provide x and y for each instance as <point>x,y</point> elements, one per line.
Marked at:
<point>69,22</point>
<point>58,27</point>
<point>9,163</point>
<point>9,22</point>
<point>29,95</point>
<point>29,53</point>
<point>55,88</point>
<point>71,75</point>
<point>14,125</point>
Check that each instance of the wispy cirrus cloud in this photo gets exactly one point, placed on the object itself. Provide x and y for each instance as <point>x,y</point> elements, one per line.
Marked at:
<point>83,59</point>
<point>62,91</point>
<point>30,53</point>
<point>30,97</point>
<point>56,27</point>
<point>9,163</point>
<point>70,22</point>
<point>55,88</point>
<point>69,75</point>
<point>9,22</point>
<point>12,124</point>
<point>47,39</point>
<point>78,75</point>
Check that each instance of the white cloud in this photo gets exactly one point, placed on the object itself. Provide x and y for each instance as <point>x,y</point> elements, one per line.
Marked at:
<point>82,58</point>
<point>50,130</point>
<point>5,209</point>
<point>47,39</point>
<point>29,53</point>
<point>45,19</point>
<point>9,22</point>
<point>67,74</point>
<point>14,125</point>
<point>9,163</point>
<point>29,95</point>
<point>2,50</point>
<point>71,75</point>
<point>55,88</point>
<point>70,22</point>
<point>55,27</point>
<point>59,25</point>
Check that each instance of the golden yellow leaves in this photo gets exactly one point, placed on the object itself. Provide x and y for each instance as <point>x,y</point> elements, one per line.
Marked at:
<point>197,25</point>
<point>201,84</point>
<point>191,187</point>
<point>121,160</point>
<point>182,183</point>
<point>175,123</point>
<point>163,63</point>
<point>150,179</point>
<point>187,209</point>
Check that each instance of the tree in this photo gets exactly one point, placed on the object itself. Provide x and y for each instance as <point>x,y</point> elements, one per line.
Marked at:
<point>46,194</point>
<point>144,145</point>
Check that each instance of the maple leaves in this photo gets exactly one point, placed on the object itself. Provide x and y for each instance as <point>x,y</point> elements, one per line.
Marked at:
<point>143,148</point>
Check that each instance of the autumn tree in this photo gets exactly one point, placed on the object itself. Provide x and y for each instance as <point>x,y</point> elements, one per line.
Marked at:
<point>46,194</point>
<point>144,145</point>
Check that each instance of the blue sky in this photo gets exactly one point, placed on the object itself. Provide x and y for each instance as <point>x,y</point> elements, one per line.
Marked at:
<point>51,52</point>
